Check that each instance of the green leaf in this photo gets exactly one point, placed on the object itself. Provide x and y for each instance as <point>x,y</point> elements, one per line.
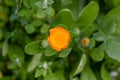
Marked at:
<point>10,2</point>
<point>40,13</point>
<point>92,43</point>
<point>113,15</point>
<point>34,62</point>
<point>29,3</point>
<point>23,74</point>
<point>26,3</point>
<point>39,72</point>
<point>5,48</point>
<point>116,3</point>
<point>25,13</point>
<point>32,3</point>
<point>80,66</point>
<point>0,34</point>
<point>16,54</point>
<point>50,2</point>
<point>36,23</point>
<point>23,20</point>
<point>50,11</point>
<point>49,51</point>
<point>39,3</point>
<point>65,52</point>
<point>30,28</point>
<point>117,31</point>
<point>87,31</point>
<point>33,48</point>
<point>88,14</point>
<point>76,31</point>
<point>112,47</point>
<point>55,76</point>
<point>44,73</point>
<point>109,28</point>
<point>87,74</point>
<point>12,66</point>
<point>13,17</point>
<point>44,43</point>
<point>44,28</point>
<point>105,30</point>
<point>65,17</point>
<point>104,73</point>
<point>65,3</point>
<point>97,54</point>
<point>98,36</point>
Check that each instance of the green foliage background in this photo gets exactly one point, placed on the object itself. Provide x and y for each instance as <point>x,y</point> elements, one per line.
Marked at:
<point>25,53</point>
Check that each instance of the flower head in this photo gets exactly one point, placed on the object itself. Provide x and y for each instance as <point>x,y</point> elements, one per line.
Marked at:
<point>85,41</point>
<point>59,38</point>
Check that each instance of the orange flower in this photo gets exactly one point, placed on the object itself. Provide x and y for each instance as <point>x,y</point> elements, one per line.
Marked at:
<point>85,41</point>
<point>59,38</point>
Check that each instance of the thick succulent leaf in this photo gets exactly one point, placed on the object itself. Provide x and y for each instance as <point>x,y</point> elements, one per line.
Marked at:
<point>97,54</point>
<point>113,15</point>
<point>65,17</point>
<point>80,65</point>
<point>112,47</point>
<point>33,48</point>
<point>88,74</point>
<point>88,14</point>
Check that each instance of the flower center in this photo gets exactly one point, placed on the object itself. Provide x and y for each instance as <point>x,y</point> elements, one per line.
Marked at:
<point>59,39</point>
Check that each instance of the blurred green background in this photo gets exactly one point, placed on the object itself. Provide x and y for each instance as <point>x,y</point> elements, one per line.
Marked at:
<point>24,21</point>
